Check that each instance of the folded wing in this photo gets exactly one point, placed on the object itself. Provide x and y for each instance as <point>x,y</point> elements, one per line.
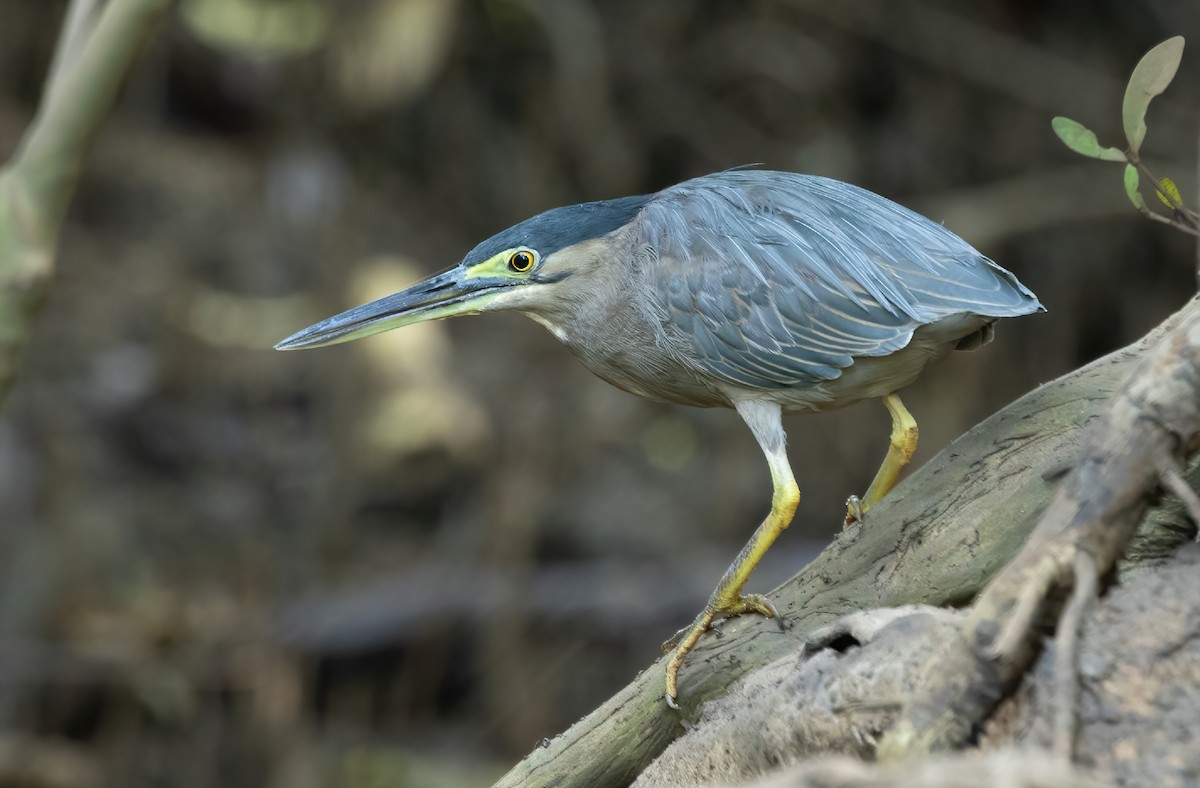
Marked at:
<point>780,280</point>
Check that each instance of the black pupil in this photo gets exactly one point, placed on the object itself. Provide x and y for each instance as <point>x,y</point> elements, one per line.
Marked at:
<point>521,261</point>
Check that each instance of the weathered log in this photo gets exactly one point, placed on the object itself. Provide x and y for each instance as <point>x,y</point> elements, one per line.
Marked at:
<point>1148,430</point>
<point>821,713</point>
<point>937,539</point>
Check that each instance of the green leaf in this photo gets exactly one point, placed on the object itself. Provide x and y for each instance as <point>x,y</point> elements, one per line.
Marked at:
<point>1168,193</point>
<point>1131,188</point>
<point>1154,72</point>
<point>1082,140</point>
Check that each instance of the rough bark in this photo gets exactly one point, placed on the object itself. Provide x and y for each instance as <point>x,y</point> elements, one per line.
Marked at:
<point>809,718</point>
<point>1139,682</point>
<point>936,540</point>
<point>1150,428</point>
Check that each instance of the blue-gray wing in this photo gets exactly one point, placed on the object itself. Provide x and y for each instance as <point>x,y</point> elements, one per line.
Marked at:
<point>780,280</point>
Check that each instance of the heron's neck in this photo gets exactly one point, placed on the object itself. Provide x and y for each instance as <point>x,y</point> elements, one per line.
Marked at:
<point>554,327</point>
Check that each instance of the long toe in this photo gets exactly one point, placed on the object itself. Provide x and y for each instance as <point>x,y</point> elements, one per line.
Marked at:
<point>686,639</point>
<point>751,603</point>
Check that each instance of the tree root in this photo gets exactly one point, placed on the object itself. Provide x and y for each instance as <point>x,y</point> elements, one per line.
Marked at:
<point>1153,423</point>
<point>1067,656</point>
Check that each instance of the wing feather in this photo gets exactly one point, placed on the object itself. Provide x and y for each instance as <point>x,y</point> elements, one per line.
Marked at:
<point>779,280</point>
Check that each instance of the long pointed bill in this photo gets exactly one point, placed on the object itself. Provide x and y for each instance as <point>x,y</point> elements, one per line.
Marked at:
<point>443,295</point>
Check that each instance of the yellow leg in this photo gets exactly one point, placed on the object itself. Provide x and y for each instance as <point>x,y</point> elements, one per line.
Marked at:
<point>728,599</point>
<point>900,450</point>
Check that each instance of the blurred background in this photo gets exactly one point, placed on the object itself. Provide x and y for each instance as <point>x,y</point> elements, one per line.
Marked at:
<point>405,561</point>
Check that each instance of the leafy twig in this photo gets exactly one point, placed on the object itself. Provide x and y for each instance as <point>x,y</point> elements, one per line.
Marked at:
<point>1150,78</point>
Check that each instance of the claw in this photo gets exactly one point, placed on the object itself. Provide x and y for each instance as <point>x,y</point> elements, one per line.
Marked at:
<point>753,603</point>
<point>855,513</point>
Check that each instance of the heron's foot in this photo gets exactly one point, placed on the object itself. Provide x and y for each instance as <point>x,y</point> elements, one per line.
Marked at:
<point>715,616</point>
<point>683,641</point>
<point>855,512</point>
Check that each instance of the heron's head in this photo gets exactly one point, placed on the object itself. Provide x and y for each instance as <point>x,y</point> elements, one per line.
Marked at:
<point>539,267</point>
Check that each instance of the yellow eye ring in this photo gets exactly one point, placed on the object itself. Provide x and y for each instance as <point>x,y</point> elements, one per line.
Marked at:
<point>520,261</point>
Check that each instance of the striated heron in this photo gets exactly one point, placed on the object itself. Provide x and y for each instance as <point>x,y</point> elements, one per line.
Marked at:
<point>747,289</point>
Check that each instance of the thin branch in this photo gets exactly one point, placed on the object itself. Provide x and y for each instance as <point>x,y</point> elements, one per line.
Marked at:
<point>1173,480</point>
<point>79,21</point>
<point>46,166</point>
<point>1066,662</point>
<point>1023,616</point>
<point>36,186</point>
<point>1149,214</point>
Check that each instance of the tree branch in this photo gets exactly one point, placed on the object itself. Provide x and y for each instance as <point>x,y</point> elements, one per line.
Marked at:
<point>77,25</point>
<point>47,164</point>
<point>37,185</point>
<point>1067,656</point>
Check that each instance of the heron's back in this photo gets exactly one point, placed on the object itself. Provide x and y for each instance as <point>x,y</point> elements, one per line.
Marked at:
<point>767,284</point>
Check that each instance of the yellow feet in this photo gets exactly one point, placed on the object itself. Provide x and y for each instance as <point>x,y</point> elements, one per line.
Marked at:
<point>686,639</point>
<point>900,450</point>
<point>763,418</point>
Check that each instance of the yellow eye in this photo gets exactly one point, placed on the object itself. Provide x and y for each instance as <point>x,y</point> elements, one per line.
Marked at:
<point>520,261</point>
